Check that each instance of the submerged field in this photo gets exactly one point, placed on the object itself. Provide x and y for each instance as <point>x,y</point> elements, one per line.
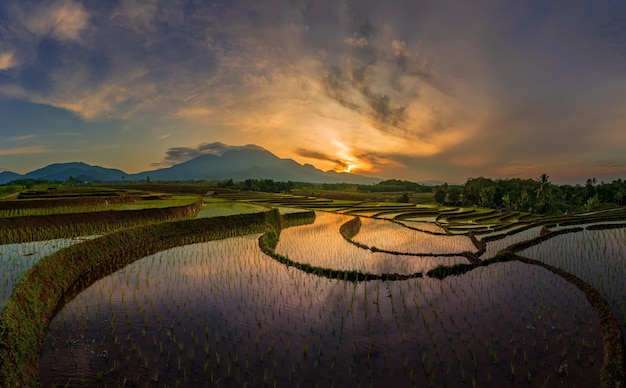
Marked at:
<point>352,294</point>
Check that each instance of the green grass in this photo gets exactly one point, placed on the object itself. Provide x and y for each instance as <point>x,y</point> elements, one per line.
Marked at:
<point>215,208</point>
<point>138,205</point>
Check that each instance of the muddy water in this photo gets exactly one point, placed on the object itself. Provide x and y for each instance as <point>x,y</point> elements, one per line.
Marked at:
<point>222,313</point>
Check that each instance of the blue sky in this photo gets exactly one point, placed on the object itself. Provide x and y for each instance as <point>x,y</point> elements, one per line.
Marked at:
<point>416,90</point>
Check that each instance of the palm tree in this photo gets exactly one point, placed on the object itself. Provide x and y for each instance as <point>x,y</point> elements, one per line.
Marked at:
<point>543,193</point>
<point>544,184</point>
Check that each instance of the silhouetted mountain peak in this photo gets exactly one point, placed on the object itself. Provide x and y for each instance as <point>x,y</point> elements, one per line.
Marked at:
<point>218,161</point>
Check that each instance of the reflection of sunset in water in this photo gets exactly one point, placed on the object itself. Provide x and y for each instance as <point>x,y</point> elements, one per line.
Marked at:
<point>321,245</point>
<point>390,236</point>
<point>224,312</point>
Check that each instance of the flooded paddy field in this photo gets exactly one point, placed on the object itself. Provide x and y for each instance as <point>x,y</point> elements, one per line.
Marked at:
<point>223,312</point>
<point>229,313</point>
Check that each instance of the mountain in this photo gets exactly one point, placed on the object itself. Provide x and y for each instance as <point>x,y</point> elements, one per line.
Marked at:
<point>8,176</point>
<point>238,163</point>
<point>249,163</point>
<point>81,172</point>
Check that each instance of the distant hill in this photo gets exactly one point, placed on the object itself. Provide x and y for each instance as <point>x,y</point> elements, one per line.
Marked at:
<point>81,172</point>
<point>8,176</point>
<point>239,164</point>
<point>249,163</point>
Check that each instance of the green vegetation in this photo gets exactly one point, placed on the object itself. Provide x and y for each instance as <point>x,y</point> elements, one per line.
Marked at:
<point>533,195</point>
<point>215,208</point>
<point>37,295</point>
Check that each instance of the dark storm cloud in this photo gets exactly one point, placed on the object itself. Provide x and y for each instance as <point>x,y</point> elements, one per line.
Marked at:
<point>339,165</point>
<point>338,87</point>
<point>382,111</point>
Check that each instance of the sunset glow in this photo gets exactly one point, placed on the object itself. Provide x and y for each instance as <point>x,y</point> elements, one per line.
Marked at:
<point>422,90</point>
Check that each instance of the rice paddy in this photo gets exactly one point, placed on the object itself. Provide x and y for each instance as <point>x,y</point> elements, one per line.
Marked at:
<point>221,312</point>
<point>15,259</point>
<point>343,296</point>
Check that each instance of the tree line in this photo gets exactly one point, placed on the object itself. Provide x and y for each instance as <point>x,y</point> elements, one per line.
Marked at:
<point>533,195</point>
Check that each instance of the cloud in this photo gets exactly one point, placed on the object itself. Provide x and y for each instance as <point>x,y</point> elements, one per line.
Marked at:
<point>138,15</point>
<point>611,164</point>
<point>178,155</point>
<point>416,88</point>
<point>357,42</point>
<point>20,138</point>
<point>63,20</point>
<point>23,151</point>
<point>338,164</point>
<point>7,61</point>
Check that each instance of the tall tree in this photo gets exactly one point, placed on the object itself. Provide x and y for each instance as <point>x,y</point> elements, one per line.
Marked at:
<point>544,185</point>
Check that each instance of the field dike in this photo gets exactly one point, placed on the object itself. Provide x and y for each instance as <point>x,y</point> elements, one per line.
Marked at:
<point>43,289</point>
<point>351,228</point>
<point>269,240</point>
<point>40,227</point>
<point>44,203</point>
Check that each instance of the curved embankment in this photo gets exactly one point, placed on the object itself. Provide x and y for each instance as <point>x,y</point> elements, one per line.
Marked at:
<point>614,364</point>
<point>269,240</point>
<point>91,200</point>
<point>351,228</point>
<point>38,295</point>
<point>36,226</point>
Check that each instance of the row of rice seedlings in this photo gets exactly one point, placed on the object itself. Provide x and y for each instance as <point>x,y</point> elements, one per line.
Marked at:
<point>426,226</point>
<point>65,231</point>
<point>390,236</point>
<point>290,210</point>
<point>566,225</point>
<point>495,246</point>
<point>389,215</point>
<point>513,296</point>
<point>227,208</point>
<point>222,313</point>
<point>506,228</point>
<point>75,229</point>
<point>151,204</point>
<point>429,219</point>
<point>595,256</point>
<point>16,259</point>
<point>320,244</point>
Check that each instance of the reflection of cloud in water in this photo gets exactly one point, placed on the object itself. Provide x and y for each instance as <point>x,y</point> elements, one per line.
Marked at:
<point>595,256</point>
<point>190,305</point>
<point>321,244</point>
<point>393,237</point>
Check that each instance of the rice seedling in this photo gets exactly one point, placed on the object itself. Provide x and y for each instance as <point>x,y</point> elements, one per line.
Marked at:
<point>16,259</point>
<point>255,309</point>
<point>222,311</point>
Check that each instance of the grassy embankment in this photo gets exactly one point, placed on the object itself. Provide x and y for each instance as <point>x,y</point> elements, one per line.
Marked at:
<point>50,225</point>
<point>40,292</point>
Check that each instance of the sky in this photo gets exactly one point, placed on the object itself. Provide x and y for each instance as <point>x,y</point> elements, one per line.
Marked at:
<point>397,89</point>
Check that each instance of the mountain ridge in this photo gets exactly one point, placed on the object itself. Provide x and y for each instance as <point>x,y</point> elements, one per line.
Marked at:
<point>238,164</point>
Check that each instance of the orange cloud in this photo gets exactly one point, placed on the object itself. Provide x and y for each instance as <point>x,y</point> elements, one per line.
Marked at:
<point>23,151</point>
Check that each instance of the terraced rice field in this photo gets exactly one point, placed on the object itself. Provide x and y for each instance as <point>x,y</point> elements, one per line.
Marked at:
<point>352,294</point>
